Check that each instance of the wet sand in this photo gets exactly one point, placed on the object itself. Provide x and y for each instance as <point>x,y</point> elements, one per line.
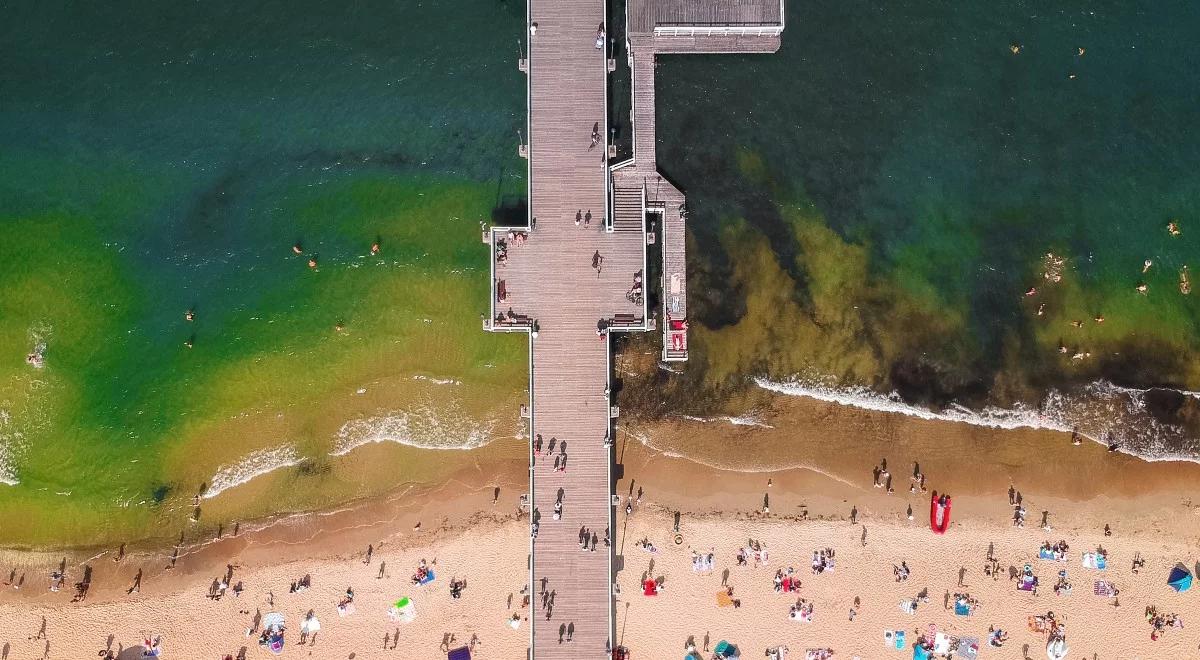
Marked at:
<point>818,458</point>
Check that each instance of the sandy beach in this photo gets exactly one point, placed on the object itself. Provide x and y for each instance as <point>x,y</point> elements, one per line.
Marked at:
<point>1150,508</point>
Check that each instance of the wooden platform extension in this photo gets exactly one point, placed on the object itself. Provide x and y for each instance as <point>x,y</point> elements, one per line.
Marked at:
<point>572,276</point>
<point>678,27</point>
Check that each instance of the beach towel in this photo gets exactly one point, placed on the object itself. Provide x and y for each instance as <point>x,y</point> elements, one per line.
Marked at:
<point>1094,560</point>
<point>899,640</point>
<point>1104,588</point>
<point>429,576</point>
<point>961,608</point>
<point>1050,555</point>
<point>908,606</point>
<point>650,588</point>
<point>723,599</point>
<point>941,643</point>
<point>968,647</point>
<point>889,638</point>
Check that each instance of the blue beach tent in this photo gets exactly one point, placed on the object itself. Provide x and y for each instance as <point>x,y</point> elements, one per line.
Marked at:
<point>463,653</point>
<point>920,652</point>
<point>726,650</point>
<point>1180,579</point>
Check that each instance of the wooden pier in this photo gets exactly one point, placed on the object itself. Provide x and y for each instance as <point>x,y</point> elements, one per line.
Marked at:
<point>576,273</point>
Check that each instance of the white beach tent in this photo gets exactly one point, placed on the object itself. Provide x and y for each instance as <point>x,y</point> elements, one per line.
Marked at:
<point>1056,649</point>
<point>403,610</point>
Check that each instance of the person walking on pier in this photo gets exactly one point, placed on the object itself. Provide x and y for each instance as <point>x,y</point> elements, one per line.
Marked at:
<point>597,262</point>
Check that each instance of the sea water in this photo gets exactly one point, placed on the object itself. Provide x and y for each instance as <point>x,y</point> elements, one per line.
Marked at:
<point>871,205</point>
<point>159,158</point>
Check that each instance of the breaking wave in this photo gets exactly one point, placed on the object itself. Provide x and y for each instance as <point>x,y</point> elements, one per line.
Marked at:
<point>1100,411</point>
<point>437,381</point>
<point>255,464</point>
<point>8,473</point>
<point>421,427</point>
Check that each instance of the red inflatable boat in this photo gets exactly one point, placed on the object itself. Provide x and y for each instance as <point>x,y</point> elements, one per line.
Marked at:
<point>939,514</point>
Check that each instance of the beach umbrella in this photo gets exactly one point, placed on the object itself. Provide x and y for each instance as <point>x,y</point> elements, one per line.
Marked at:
<point>920,652</point>
<point>1180,578</point>
<point>1057,649</point>
<point>403,610</point>
<point>273,620</point>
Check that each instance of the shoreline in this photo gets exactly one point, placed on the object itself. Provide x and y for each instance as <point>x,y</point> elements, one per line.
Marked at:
<point>818,457</point>
<point>305,534</point>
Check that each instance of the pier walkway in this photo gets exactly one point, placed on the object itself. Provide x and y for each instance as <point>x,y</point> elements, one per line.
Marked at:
<point>576,273</point>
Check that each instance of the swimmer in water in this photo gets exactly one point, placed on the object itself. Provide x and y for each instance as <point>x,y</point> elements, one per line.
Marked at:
<point>1032,291</point>
<point>1146,265</point>
<point>297,249</point>
<point>1077,324</point>
<point>1041,309</point>
<point>1142,288</point>
<point>1082,50</point>
<point>1099,319</point>
<point>189,315</point>
<point>375,248</point>
<point>1173,228</point>
<point>1062,349</point>
<point>338,327</point>
<point>312,263</point>
<point>187,342</point>
<point>1015,48</point>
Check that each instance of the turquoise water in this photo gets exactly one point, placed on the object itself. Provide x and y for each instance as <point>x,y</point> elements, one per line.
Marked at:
<point>161,157</point>
<point>868,207</point>
<point>948,167</point>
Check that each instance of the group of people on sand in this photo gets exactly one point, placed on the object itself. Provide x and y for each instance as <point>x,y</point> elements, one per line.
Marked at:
<point>422,573</point>
<point>753,550</point>
<point>785,581</point>
<point>1160,622</point>
<point>1056,552</point>
<point>822,560</point>
<point>801,610</point>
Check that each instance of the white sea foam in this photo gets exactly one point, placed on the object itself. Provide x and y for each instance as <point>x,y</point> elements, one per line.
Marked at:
<point>744,420</point>
<point>8,473</point>
<point>419,427</point>
<point>1100,411</point>
<point>437,381</point>
<point>254,464</point>
<point>778,467</point>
